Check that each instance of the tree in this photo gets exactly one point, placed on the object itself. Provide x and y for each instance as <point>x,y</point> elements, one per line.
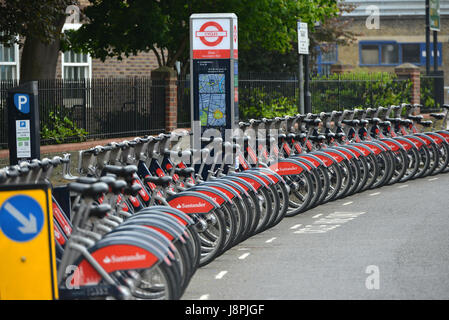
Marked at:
<point>118,28</point>
<point>332,29</point>
<point>38,25</point>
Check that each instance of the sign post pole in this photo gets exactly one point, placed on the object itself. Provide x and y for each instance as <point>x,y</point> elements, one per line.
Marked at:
<point>23,123</point>
<point>303,50</point>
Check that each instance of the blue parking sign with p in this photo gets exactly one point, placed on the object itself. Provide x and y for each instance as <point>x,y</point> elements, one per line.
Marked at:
<point>22,102</point>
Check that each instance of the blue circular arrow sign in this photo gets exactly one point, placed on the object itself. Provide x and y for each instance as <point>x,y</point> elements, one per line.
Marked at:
<point>21,218</point>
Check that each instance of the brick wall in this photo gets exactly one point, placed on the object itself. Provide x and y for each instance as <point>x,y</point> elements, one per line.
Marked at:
<point>140,65</point>
<point>400,29</point>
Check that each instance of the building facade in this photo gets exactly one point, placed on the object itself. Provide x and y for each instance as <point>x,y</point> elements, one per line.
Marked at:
<point>391,33</point>
<point>75,66</point>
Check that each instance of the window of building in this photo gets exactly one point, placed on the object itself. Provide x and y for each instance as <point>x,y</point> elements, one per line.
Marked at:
<point>327,56</point>
<point>75,66</point>
<point>411,53</point>
<point>9,62</point>
<point>369,54</point>
<point>390,53</point>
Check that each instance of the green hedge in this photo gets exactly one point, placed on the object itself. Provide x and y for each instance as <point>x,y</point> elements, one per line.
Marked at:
<point>335,92</point>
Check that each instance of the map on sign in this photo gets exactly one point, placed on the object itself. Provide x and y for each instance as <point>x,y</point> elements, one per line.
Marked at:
<point>212,99</point>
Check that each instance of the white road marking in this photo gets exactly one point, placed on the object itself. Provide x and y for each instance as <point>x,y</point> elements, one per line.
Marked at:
<point>317,215</point>
<point>432,179</point>
<point>404,186</point>
<point>317,229</point>
<point>374,194</point>
<point>242,249</point>
<point>221,274</point>
<point>296,226</point>
<point>204,297</point>
<point>244,256</point>
<point>270,240</point>
<point>347,203</point>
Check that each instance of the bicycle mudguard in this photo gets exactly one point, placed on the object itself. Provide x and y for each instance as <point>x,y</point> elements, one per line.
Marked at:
<point>356,152</point>
<point>347,152</point>
<point>173,221</point>
<point>375,147</point>
<point>168,228</point>
<point>288,167</point>
<point>178,214</point>
<point>192,202</point>
<point>326,158</point>
<point>437,138</point>
<point>316,161</point>
<point>215,194</point>
<point>307,162</point>
<point>266,171</point>
<point>242,183</point>
<point>267,180</point>
<point>150,236</point>
<point>429,140</point>
<point>361,148</point>
<point>405,143</point>
<point>417,141</point>
<point>336,154</point>
<point>255,181</point>
<point>227,190</point>
<point>116,253</point>
<point>392,144</point>
<point>234,186</point>
<point>444,133</point>
<point>135,229</point>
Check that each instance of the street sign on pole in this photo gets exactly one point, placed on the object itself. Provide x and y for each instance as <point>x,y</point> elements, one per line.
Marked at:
<point>434,15</point>
<point>27,248</point>
<point>303,38</point>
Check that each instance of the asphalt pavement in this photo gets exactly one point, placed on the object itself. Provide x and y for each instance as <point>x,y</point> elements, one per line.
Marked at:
<point>387,243</point>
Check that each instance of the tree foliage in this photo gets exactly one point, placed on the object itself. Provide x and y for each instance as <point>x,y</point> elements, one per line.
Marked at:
<point>39,19</point>
<point>117,28</point>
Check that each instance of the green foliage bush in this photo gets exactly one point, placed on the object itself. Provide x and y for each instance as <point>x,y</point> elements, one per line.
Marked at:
<point>359,89</point>
<point>60,129</point>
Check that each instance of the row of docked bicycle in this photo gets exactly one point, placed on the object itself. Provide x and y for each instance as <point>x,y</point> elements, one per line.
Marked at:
<point>145,216</point>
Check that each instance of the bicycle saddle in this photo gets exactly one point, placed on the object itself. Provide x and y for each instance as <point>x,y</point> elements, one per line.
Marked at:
<point>125,172</point>
<point>88,190</point>
<point>184,172</point>
<point>99,210</point>
<point>426,123</point>
<point>159,181</point>
<point>132,190</point>
<point>438,116</point>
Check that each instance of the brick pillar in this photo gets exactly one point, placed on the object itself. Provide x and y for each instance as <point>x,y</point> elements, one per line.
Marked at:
<point>171,95</point>
<point>412,72</point>
<point>340,68</point>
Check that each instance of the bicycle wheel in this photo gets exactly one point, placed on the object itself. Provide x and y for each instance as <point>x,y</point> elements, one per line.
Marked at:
<point>300,192</point>
<point>400,165</point>
<point>211,228</point>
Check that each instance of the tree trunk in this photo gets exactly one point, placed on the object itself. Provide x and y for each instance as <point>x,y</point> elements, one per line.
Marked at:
<point>39,59</point>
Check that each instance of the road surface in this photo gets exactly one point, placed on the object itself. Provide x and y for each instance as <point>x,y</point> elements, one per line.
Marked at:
<point>388,243</point>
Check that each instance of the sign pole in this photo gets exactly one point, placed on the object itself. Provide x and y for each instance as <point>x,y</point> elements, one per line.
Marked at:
<point>307,97</point>
<point>427,38</point>
<point>301,84</point>
<point>435,50</point>
<point>303,51</point>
